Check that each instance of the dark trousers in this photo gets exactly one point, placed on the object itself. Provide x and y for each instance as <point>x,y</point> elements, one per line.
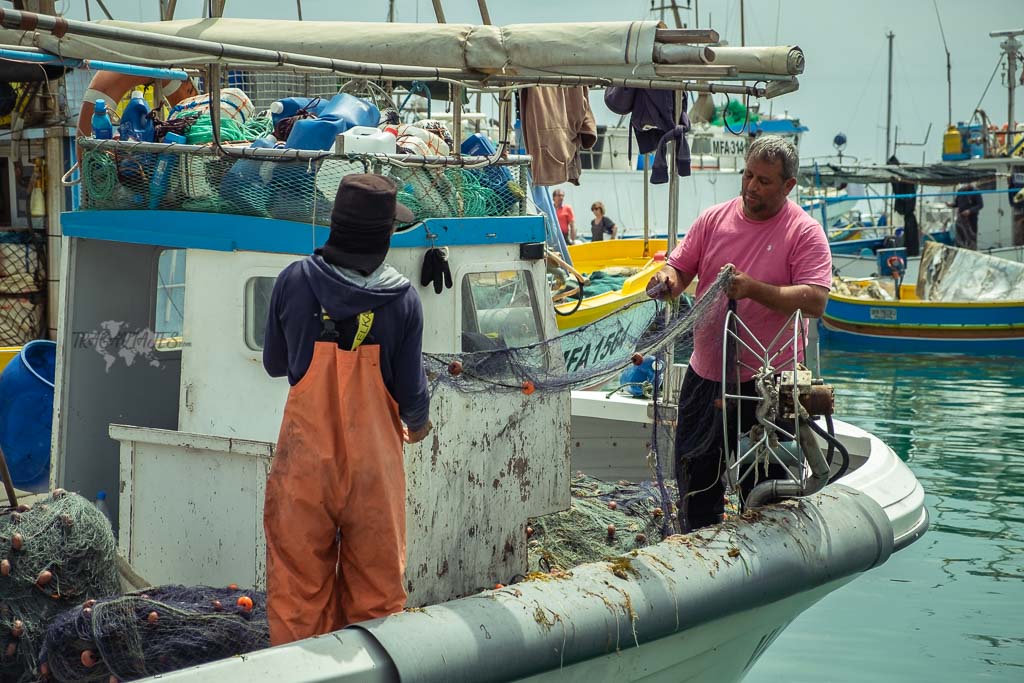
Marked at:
<point>1018,227</point>
<point>699,455</point>
<point>967,231</point>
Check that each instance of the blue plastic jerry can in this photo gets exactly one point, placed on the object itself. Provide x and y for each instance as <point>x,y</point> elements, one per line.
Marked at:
<point>166,164</point>
<point>102,129</point>
<point>135,121</point>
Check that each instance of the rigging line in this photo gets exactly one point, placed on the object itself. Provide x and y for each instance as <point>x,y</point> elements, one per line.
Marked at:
<point>999,62</point>
<point>941,32</point>
<point>867,84</point>
<point>907,83</point>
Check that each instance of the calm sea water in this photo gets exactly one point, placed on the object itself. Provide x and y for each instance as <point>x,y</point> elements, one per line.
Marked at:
<point>951,606</point>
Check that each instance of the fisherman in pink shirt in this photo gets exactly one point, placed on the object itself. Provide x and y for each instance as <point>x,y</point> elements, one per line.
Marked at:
<point>783,263</point>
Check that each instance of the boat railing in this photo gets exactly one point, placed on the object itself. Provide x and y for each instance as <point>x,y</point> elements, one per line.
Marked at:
<point>289,184</point>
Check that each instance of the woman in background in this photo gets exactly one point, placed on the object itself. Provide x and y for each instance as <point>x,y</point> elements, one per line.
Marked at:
<point>602,227</point>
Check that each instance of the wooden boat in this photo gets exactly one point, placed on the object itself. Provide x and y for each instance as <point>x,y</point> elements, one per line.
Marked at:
<point>963,302</point>
<point>622,256</point>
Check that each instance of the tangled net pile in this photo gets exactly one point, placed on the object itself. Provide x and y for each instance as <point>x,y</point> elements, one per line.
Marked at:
<point>604,521</point>
<point>52,556</point>
<point>154,631</point>
<point>601,349</point>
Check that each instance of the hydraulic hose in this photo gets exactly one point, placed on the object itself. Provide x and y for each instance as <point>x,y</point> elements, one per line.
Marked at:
<point>776,489</point>
<point>833,443</point>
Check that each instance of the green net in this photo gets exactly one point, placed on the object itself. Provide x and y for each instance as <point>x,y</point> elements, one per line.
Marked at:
<point>53,555</point>
<point>117,177</point>
<point>604,521</point>
<point>201,131</point>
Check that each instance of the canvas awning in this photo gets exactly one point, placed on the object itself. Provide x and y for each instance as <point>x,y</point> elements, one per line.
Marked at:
<point>833,175</point>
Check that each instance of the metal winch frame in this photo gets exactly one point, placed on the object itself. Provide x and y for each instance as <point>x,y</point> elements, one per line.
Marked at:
<point>787,393</point>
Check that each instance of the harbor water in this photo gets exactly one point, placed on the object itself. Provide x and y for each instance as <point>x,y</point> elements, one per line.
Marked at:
<point>951,606</point>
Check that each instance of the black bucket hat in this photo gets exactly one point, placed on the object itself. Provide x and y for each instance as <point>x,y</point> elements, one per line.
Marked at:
<point>362,222</point>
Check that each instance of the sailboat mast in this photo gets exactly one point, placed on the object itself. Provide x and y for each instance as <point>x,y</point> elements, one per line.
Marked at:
<point>1011,46</point>
<point>888,102</point>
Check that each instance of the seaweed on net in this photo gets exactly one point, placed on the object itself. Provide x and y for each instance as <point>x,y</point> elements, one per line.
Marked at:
<point>154,631</point>
<point>53,555</point>
<point>581,534</point>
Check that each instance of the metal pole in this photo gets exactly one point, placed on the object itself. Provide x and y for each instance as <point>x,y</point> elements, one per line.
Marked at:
<point>5,474</point>
<point>647,221</point>
<point>439,12</point>
<point>456,91</point>
<point>743,26</point>
<point>1011,46</point>
<point>53,144</point>
<point>673,230</point>
<point>485,16</point>
<point>888,105</point>
<point>213,87</point>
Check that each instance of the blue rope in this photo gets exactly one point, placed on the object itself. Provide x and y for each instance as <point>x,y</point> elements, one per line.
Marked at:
<point>417,87</point>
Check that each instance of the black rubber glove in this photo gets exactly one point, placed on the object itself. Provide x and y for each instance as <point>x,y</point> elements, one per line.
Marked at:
<point>436,270</point>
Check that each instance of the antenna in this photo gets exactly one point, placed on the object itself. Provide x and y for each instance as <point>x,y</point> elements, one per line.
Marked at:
<point>888,105</point>
<point>949,70</point>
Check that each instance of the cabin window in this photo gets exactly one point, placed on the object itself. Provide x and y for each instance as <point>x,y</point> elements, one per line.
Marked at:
<point>257,308</point>
<point>499,310</point>
<point>169,318</point>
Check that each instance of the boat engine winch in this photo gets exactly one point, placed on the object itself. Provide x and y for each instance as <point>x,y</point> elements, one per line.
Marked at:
<point>781,437</point>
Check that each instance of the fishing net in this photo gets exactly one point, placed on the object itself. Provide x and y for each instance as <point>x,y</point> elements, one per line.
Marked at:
<point>584,357</point>
<point>53,555</point>
<point>604,521</point>
<point>154,631</point>
<point>116,177</point>
<point>22,286</point>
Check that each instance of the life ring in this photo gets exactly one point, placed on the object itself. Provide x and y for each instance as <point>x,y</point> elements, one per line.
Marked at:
<point>112,87</point>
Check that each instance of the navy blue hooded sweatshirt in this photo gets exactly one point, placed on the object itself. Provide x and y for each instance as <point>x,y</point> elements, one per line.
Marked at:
<point>293,326</point>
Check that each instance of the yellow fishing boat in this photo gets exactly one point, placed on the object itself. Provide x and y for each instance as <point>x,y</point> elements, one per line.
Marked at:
<point>615,258</point>
<point>7,353</point>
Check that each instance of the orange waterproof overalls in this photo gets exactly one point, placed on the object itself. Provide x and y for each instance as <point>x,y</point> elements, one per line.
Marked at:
<point>338,468</point>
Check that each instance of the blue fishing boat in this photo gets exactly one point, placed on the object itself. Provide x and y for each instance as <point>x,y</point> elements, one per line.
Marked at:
<point>939,313</point>
<point>911,325</point>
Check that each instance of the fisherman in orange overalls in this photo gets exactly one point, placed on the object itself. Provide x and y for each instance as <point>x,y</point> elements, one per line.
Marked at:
<point>347,330</point>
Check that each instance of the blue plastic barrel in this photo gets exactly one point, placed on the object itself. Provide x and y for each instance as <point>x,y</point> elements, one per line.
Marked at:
<point>26,414</point>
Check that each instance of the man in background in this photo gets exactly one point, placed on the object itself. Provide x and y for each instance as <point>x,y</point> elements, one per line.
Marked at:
<point>566,217</point>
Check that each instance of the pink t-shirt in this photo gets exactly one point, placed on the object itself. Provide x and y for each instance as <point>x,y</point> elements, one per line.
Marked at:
<point>787,249</point>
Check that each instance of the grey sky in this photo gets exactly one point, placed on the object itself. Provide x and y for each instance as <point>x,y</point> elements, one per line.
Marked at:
<point>843,88</point>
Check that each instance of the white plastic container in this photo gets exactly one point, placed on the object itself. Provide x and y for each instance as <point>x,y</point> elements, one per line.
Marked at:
<point>364,140</point>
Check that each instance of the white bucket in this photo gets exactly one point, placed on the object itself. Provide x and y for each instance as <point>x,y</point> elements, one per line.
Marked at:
<point>364,140</point>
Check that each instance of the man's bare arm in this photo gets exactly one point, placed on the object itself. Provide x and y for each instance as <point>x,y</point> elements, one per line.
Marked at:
<point>810,299</point>
<point>668,283</point>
